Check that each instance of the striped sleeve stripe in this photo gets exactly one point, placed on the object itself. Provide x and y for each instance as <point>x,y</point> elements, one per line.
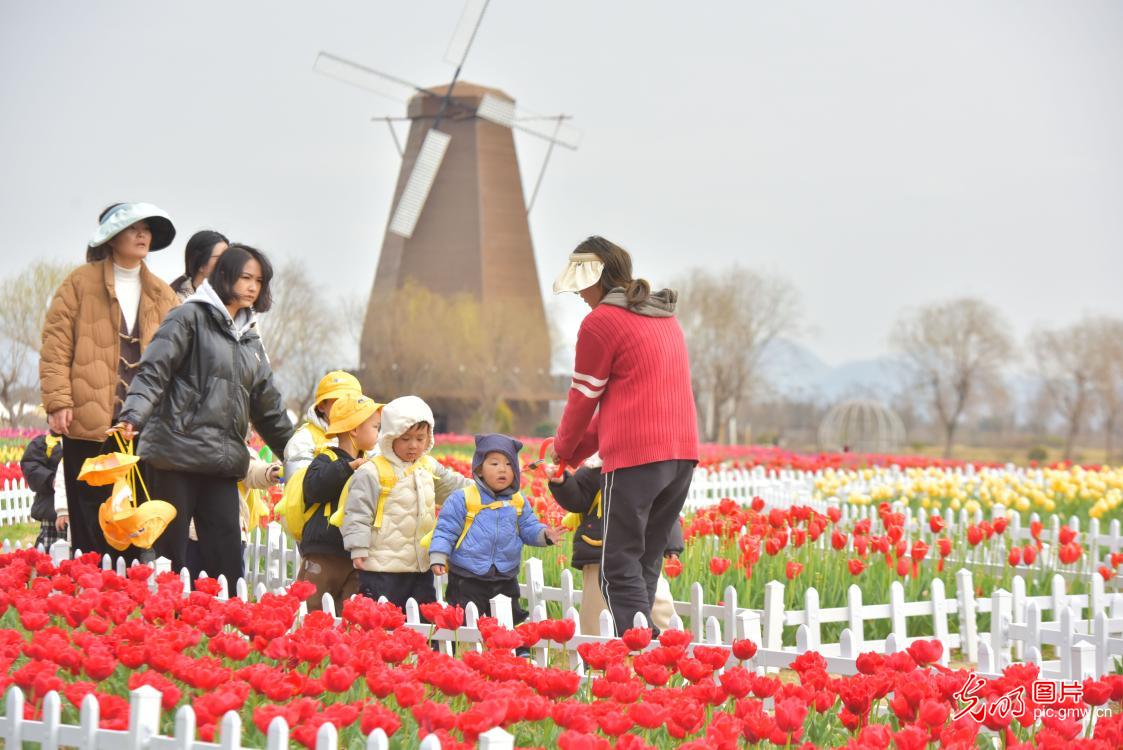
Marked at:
<point>583,389</point>
<point>595,382</point>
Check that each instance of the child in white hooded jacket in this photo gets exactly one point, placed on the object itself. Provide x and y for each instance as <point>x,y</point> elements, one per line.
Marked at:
<point>383,530</point>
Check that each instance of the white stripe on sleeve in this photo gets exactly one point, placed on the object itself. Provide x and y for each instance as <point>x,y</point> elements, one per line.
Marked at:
<point>596,382</point>
<point>586,391</point>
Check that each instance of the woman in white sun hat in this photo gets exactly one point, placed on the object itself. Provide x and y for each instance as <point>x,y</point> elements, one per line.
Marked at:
<point>631,400</point>
<point>100,320</point>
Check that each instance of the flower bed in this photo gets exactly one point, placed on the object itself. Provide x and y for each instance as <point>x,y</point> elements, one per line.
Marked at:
<point>79,630</point>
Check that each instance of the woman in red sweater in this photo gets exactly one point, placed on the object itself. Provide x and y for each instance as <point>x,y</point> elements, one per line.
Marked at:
<point>632,401</point>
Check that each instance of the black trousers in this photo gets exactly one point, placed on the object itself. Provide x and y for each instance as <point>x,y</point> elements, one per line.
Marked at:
<point>464,589</point>
<point>398,587</point>
<point>641,504</point>
<point>213,503</point>
<point>82,500</point>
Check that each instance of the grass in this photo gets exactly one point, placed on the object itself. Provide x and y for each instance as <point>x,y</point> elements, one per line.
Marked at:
<point>20,532</point>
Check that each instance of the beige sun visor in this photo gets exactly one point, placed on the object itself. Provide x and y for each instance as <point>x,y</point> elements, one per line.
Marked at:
<point>583,271</point>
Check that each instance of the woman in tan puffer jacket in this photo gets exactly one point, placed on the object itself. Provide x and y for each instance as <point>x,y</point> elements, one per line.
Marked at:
<point>100,320</point>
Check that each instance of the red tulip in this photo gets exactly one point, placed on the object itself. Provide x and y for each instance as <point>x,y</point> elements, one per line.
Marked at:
<point>856,567</point>
<point>1066,535</point>
<point>1029,554</point>
<point>1015,557</point>
<point>902,567</point>
<point>744,649</point>
<point>838,540</point>
<point>793,569</point>
<point>1000,524</point>
<point>974,535</point>
<point>1107,573</point>
<point>936,523</point>
<point>636,639</point>
<point>757,504</point>
<point>719,565</point>
<point>672,566</point>
<point>834,513</point>
<point>790,714</point>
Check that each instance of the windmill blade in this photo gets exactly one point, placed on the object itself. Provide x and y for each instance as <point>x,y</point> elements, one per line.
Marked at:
<point>384,84</point>
<point>554,129</point>
<point>420,181</point>
<point>465,32</point>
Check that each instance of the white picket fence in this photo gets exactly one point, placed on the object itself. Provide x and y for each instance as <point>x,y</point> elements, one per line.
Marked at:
<point>15,502</point>
<point>1079,657</point>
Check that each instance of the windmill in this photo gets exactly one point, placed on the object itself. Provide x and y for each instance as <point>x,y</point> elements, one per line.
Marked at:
<point>458,222</point>
<point>491,106</point>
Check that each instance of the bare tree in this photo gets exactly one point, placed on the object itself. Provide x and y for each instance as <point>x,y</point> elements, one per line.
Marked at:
<point>302,335</point>
<point>25,299</point>
<point>729,318</point>
<point>1081,369</point>
<point>1107,378</point>
<point>953,350</point>
<point>1066,361</point>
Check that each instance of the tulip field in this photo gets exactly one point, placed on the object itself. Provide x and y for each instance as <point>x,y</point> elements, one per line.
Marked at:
<point>78,641</point>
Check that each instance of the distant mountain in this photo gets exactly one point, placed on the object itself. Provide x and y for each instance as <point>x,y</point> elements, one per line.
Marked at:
<point>795,371</point>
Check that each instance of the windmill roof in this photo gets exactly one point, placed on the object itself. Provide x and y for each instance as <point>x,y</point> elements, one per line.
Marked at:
<point>468,90</point>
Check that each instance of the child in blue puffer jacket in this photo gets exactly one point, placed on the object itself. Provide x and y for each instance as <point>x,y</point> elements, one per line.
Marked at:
<point>481,530</point>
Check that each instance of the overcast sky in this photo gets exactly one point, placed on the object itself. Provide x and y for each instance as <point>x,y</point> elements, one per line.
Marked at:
<point>877,154</point>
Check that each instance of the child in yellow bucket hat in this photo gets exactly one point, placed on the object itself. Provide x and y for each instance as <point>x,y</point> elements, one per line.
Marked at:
<point>311,436</point>
<point>354,423</point>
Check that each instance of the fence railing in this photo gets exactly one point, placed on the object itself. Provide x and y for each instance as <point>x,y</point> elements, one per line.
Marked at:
<point>1084,647</point>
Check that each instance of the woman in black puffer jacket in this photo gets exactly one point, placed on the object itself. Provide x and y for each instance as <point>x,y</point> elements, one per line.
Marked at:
<point>200,384</point>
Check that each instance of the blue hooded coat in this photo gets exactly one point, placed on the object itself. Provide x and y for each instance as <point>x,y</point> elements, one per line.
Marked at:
<point>493,546</point>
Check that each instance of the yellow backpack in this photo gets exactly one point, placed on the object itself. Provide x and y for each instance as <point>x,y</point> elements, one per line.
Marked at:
<point>290,511</point>
<point>386,481</point>
<point>573,521</point>
<point>473,502</point>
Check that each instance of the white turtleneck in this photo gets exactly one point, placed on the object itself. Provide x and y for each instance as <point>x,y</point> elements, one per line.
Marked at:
<point>126,282</point>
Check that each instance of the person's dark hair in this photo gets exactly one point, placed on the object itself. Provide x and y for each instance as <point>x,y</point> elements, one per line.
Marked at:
<point>197,253</point>
<point>229,268</point>
<point>617,270</point>
<point>102,251</point>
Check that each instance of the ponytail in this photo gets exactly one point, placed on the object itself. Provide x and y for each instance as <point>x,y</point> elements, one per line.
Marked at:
<point>637,292</point>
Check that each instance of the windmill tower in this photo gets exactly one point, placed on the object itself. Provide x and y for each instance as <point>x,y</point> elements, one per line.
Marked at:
<point>459,227</point>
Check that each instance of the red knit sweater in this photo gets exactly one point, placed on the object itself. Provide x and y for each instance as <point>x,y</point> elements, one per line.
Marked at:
<point>636,370</point>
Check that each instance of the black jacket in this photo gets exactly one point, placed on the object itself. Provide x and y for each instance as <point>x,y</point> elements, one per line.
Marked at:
<point>39,472</point>
<point>579,494</point>
<point>323,484</point>
<point>198,387</point>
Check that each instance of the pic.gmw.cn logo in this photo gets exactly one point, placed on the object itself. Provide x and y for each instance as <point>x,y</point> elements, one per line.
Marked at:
<point>1047,699</point>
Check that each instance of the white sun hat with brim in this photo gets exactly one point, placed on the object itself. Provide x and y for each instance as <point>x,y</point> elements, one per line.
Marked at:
<point>126,214</point>
<point>583,271</point>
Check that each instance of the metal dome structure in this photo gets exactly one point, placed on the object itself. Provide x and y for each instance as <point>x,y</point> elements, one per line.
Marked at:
<point>861,426</point>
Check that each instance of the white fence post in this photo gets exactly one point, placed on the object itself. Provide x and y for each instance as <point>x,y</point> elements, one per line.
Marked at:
<point>496,738</point>
<point>968,627</point>
<point>144,715</point>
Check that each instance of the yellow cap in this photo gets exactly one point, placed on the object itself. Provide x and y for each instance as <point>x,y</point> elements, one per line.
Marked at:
<point>350,411</point>
<point>337,383</point>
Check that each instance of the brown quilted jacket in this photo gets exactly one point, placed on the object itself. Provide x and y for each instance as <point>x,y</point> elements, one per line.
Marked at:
<point>81,345</point>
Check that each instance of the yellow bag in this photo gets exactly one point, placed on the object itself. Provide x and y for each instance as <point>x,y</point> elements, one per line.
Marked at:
<point>107,468</point>
<point>122,520</point>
